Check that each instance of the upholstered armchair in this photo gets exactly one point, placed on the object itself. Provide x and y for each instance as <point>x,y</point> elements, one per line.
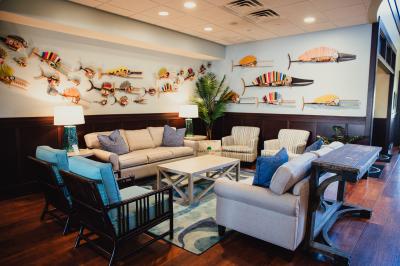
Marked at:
<point>294,140</point>
<point>241,144</point>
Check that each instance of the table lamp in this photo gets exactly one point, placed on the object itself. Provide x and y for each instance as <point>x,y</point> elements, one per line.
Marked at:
<point>188,112</point>
<point>69,117</point>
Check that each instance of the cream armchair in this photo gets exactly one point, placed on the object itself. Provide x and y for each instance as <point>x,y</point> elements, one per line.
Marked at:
<point>241,144</point>
<point>293,140</point>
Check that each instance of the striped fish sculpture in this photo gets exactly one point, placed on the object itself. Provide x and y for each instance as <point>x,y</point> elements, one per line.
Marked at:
<point>52,60</point>
<point>322,55</point>
<point>8,78</point>
<point>14,42</point>
<point>276,79</point>
<point>122,72</point>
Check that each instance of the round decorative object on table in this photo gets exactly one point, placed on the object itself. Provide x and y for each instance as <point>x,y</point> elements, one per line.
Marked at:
<point>196,137</point>
<point>82,152</point>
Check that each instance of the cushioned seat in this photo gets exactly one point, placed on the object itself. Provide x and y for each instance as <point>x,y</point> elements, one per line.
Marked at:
<point>181,151</point>
<point>132,159</point>
<point>238,148</point>
<point>59,161</point>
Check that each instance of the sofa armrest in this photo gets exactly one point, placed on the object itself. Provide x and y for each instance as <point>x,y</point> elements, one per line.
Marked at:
<point>299,148</point>
<point>106,156</point>
<point>301,187</point>
<point>228,140</point>
<point>271,144</point>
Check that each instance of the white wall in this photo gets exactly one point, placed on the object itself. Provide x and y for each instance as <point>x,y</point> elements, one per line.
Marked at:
<point>35,101</point>
<point>348,80</point>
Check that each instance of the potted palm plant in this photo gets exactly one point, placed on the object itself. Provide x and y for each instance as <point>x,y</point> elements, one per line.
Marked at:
<point>211,99</point>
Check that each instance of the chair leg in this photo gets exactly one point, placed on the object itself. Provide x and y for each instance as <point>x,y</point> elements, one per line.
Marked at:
<point>171,228</point>
<point>67,225</point>
<point>221,230</point>
<point>114,254</point>
<point>78,237</point>
<point>45,209</point>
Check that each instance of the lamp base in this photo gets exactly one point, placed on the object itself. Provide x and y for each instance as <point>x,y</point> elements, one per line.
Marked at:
<point>69,138</point>
<point>189,127</point>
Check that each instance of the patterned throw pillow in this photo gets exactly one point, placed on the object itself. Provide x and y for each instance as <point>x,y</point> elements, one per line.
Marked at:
<point>113,143</point>
<point>266,167</point>
<point>172,137</point>
<point>315,146</point>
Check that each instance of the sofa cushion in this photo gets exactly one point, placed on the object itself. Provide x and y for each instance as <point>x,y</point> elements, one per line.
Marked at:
<point>139,139</point>
<point>156,134</point>
<point>266,167</point>
<point>181,151</point>
<point>173,137</point>
<point>92,142</point>
<point>315,146</point>
<point>291,172</point>
<point>238,148</point>
<point>108,187</point>
<point>131,159</point>
<point>159,154</point>
<point>113,143</point>
<point>335,145</point>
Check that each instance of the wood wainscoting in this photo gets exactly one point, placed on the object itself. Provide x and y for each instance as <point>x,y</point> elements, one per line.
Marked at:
<point>21,136</point>
<point>270,124</point>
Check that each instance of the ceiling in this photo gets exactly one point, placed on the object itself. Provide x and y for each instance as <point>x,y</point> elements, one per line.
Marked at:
<point>231,24</point>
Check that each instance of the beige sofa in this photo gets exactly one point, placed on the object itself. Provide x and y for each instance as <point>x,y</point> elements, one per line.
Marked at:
<point>276,214</point>
<point>145,152</point>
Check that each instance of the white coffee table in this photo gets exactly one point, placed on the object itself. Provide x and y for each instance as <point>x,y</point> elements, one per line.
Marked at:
<point>186,172</point>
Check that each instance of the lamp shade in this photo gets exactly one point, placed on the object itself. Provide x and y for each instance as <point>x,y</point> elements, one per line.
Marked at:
<point>68,115</point>
<point>189,111</point>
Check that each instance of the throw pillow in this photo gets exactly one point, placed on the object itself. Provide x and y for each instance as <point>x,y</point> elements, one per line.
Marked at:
<point>113,143</point>
<point>266,167</point>
<point>315,146</point>
<point>172,137</point>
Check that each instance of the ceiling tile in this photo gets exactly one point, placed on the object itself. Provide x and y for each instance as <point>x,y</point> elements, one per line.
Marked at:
<point>188,21</point>
<point>153,13</point>
<point>317,26</point>
<point>279,3</point>
<point>346,13</point>
<point>352,21</point>
<point>178,5</point>
<point>115,10</point>
<point>325,5</point>
<point>91,3</point>
<point>133,6</point>
<point>283,27</point>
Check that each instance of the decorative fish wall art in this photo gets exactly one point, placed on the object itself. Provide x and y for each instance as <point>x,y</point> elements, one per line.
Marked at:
<point>22,61</point>
<point>3,55</point>
<point>51,59</point>
<point>53,80</point>
<point>276,79</point>
<point>89,71</point>
<point>8,78</point>
<point>122,72</point>
<point>251,61</point>
<point>275,98</point>
<point>14,42</point>
<point>322,55</point>
<point>331,100</point>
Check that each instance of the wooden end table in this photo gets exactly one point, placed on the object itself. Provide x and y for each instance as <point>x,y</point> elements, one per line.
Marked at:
<point>186,172</point>
<point>350,163</point>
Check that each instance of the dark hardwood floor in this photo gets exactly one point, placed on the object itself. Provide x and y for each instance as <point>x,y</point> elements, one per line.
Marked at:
<point>24,240</point>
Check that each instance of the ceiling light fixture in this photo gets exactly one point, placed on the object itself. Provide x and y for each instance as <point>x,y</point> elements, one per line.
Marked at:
<point>163,13</point>
<point>208,28</point>
<point>189,4</point>
<point>309,20</point>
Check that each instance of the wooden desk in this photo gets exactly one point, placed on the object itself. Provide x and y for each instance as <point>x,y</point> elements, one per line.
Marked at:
<point>350,163</point>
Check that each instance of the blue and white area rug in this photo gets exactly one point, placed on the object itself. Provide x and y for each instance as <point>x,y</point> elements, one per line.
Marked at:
<point>195,229</point>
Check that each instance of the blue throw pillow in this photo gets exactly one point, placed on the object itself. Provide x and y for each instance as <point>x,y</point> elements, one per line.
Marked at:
<point>114,143</point>
<point>266,167</point>
<point>315,146</point>
<point>172,137</point>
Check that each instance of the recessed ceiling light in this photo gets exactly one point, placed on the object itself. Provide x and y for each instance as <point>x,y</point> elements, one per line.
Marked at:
<point>208,28</point>
<point>163,13</point>
<point>189,4</point>
<point>309,19</point>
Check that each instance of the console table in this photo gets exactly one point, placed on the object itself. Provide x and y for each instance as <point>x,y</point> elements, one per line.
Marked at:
<point>349,163</point>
